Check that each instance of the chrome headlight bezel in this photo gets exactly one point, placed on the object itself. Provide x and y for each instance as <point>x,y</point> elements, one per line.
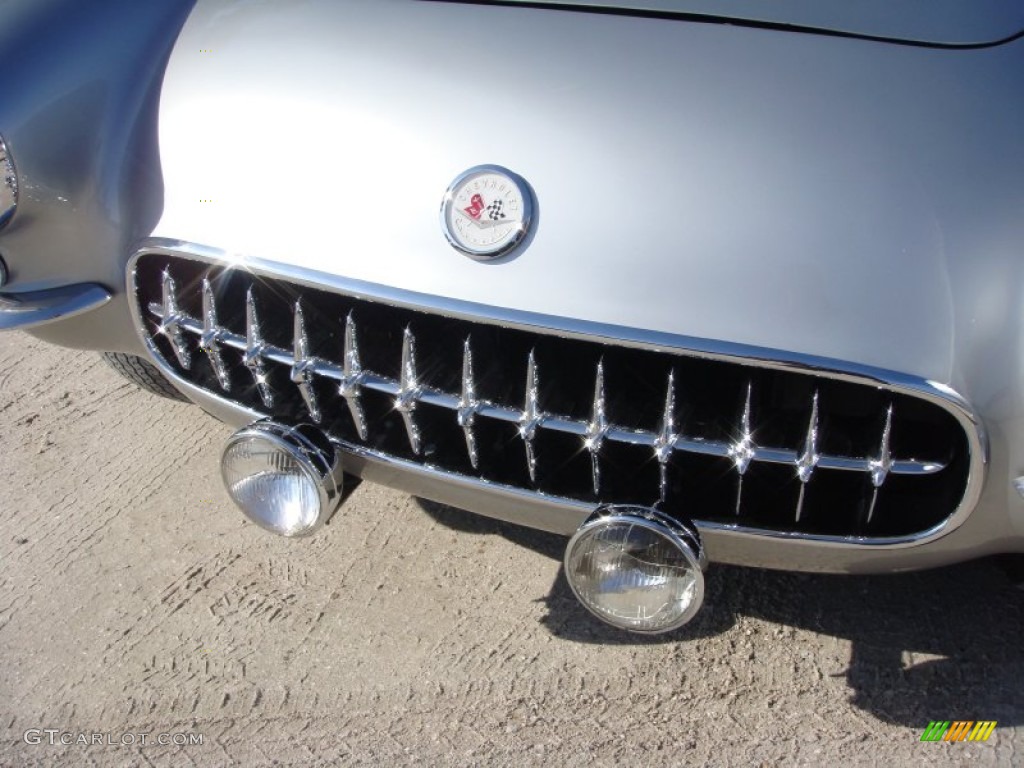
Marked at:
<point>315,459</point>
<point>679,537</point>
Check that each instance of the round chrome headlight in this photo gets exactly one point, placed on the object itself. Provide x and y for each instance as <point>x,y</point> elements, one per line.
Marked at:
<point>8,185</point>
<point>637,569</point>
<point>284,479</point>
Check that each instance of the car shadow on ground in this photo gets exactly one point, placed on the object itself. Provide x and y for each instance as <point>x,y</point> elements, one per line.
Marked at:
<point>969,619</point>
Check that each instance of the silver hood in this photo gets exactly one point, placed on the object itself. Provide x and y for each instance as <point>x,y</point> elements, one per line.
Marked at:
<point>832,197</point>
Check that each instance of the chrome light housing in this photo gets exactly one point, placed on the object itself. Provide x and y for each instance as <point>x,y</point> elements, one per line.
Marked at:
<point>287,480</point>
<point>8,185</point>
<point>637,569</point>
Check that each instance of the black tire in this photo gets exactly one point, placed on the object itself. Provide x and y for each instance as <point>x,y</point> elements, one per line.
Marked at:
<point>143,374</point>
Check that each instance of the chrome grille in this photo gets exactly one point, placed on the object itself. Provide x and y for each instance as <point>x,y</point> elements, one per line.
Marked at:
<point>732,442</point>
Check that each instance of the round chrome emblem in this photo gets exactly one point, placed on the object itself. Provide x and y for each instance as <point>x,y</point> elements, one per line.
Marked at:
<point>486,212</point>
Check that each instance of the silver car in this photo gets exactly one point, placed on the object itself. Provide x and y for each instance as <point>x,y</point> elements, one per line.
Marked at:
<point>686,281</point>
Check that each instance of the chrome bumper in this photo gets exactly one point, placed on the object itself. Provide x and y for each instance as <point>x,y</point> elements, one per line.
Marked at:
<point>19,311</point>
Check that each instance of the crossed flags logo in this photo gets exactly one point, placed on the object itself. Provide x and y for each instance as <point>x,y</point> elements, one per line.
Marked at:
<point>958,730</point>
<point>495,211</point>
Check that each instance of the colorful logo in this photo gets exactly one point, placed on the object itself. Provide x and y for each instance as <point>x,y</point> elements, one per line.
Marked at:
<point>476,205</point>
<point>487,212</point>
<point>958,730</point>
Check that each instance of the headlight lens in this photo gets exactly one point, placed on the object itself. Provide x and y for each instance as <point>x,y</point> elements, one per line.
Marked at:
<point>637,569</point>
<point>280,479</point>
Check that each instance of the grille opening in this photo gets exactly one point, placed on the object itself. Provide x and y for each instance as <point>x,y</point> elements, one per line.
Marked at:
<point>709,394</point>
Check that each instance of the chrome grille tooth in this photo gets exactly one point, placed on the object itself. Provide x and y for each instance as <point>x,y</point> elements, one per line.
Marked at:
<point>532,417</point>
<point>253,358</point>
<point>209,341</point>
<point>597,428</point>
<point>881,466</point>
<point>171,321</point>
<point>800,502</point>
<point>808,460</point>
<point>742,452</point>
<point>665,441</point>
<point>302,371</point>
<point>351,384</point>
<point>409,390</point>
<point>739,495</point>
<point>468,404</point>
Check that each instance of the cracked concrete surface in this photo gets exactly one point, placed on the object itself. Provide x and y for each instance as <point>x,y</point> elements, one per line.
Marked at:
<point>135,599</point>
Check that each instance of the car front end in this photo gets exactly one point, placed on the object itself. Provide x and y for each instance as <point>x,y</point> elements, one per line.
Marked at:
<point>682,287</point>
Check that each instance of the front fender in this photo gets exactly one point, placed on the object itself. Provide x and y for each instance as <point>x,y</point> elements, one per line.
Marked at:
<point>79,115</point>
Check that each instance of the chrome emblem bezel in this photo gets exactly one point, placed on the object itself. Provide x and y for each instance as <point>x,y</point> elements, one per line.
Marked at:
<point>471,207</point>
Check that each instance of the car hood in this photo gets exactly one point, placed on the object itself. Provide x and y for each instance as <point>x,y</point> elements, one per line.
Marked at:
<point>834,197</point>
<point>931,22</point>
